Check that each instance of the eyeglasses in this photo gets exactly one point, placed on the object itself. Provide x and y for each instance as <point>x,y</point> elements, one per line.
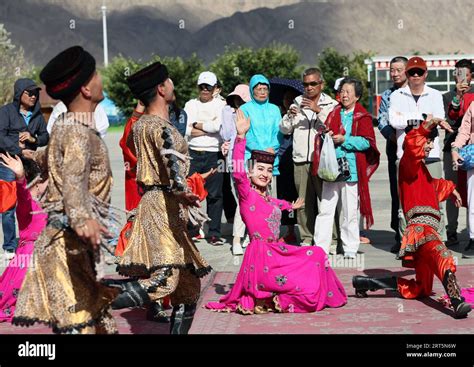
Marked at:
<point>207,87</point>
<point>313,84</point>
<point>261,90</point>
<point>413,72</point>
<point>32,93</point>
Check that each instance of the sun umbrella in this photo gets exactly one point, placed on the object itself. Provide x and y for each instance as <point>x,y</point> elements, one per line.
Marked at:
<point>278,87</point>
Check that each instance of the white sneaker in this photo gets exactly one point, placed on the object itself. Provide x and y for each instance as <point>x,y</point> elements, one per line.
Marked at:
<point>237,249</point>
<point>246,241</point>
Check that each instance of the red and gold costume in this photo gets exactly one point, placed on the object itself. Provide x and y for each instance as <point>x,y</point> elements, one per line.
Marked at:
<point>420,194</point>
<point>132,195</point>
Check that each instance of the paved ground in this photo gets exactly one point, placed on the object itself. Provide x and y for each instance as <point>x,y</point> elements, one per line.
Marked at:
<point>369,315</point>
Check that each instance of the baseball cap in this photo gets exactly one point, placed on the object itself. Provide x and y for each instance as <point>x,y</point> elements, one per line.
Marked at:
<point>207,77</point>
<point>416,63</point>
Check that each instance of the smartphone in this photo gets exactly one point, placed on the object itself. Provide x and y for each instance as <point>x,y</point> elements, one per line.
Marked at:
<point>462,75</point>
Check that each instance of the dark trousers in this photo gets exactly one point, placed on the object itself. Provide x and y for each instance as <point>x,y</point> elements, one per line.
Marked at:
<point>228,197</point>
<point>286,184</point>
<point>202,162</point>
<point>391,151</point>
<point>8,218</point>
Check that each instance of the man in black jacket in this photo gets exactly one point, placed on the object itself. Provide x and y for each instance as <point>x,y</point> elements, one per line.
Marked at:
<point>22,126</point>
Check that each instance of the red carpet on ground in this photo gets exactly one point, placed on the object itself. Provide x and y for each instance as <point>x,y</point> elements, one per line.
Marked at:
<point>381,313</point>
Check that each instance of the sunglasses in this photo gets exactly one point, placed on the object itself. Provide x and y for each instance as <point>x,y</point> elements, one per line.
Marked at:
<point>313,84</point>
<point>32,93</point>
<point>206,87</point>
<point>413,72</point>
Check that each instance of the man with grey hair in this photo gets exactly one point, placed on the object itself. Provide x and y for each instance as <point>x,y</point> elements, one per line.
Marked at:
<point>305,116</point>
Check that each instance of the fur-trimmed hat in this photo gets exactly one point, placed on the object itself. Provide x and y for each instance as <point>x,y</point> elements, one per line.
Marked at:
<point>67,72</point>
<point>263,156</point>
<point>147,78</point>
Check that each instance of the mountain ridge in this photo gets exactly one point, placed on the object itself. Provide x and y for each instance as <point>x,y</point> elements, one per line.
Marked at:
<point>387,27</point>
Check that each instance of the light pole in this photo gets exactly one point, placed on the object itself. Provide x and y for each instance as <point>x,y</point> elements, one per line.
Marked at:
<point>104,32</point>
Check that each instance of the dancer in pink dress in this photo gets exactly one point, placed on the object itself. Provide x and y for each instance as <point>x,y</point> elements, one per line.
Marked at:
<point>468,294</point>
<point>30,226</point>
<point>274,275</point>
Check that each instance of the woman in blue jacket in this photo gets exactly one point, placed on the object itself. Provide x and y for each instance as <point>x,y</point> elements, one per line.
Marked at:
<point>264,132</point>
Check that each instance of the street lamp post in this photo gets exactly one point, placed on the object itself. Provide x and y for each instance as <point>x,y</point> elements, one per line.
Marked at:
<point>104,31</point>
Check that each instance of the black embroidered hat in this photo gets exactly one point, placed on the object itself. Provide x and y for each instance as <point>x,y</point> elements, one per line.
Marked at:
<point>263,156</point>
<point>147,78</point>
<point>67,72</point>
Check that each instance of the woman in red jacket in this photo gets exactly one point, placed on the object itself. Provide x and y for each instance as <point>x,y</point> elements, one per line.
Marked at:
<point>350,127</point>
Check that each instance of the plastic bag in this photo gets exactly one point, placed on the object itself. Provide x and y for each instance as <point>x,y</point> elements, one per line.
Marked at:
<point>328,166</point>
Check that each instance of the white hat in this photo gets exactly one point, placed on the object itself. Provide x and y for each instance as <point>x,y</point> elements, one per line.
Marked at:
<point>207,77</point>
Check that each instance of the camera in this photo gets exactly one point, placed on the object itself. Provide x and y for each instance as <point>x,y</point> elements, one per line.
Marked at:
<point>344,172</point>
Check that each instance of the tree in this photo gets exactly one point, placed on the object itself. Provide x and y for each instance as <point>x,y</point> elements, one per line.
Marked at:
<point>12,66</point>
<point>358,70</point>
<point>114,79</point>
<point>237,65</point>
<point>233,67</point>
<point>184,74</point>
<point>335,65</point>
<point>33,74</point>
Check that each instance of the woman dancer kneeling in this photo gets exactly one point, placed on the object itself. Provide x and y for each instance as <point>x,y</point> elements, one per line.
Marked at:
<point>274,275</point>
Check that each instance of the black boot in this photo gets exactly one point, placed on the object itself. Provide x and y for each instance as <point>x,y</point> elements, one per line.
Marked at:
<point>182,318</point>
<point>116,283</point>
<point>395,249</point>
<point>461,308</point>
<point>363,284</point>
<point>133,295</point>
<point>157,313</point>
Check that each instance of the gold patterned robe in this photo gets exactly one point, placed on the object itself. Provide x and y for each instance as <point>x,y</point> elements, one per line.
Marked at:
<point>61,287</point>
<point>159,237</point>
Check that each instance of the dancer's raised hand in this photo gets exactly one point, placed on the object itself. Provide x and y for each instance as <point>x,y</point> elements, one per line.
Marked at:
<point>14,163</point>
<point>242,123</point>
